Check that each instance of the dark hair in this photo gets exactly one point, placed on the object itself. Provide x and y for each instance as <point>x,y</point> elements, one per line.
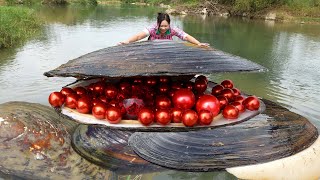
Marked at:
<point>163,16</point>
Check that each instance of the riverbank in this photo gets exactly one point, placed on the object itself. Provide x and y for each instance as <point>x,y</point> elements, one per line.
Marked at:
<point>16,25</point>
<point>273,12</point>
<point>283,13</point>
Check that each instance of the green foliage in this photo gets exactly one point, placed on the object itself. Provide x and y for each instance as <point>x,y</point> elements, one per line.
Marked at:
<point>51,2</point>
<point>157,2</point>
<point>237,5</point>
<point>16,25</point>
<point>316,3</point>
<point>10,2</point>
<point>252,5</point>
<point>256,5</point>
<point>58,2</point>
<point>189,2</point>
<point>85,2</point>
<point>226,1</point>
<point>303,8</point>
<point>128,1</point>
<point>302,3</point>
<point>154,2</point>
<point>34,2</point>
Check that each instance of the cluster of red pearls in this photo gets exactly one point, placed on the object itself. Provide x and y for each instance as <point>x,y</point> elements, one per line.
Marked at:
<point>161,100</point>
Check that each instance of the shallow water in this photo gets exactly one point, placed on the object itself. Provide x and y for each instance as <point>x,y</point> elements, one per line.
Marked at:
<point>291,52</point>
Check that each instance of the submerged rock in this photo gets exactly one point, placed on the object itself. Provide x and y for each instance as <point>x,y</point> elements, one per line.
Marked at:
<point>271,16</point>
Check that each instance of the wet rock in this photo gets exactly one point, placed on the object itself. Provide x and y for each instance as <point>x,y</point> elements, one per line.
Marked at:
<point>225,14</point>
<point>204,11</point>
<point>271,16</point>
<point>165,6</point>
<point>183,13</point>
<point>172,11</point>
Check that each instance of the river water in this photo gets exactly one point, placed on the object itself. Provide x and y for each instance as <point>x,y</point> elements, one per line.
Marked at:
<point>291,52</point>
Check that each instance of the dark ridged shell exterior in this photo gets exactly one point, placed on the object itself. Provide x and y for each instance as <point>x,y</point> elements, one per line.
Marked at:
<point>109,148</point>
<point>274,134</point>
<point>153,58</point>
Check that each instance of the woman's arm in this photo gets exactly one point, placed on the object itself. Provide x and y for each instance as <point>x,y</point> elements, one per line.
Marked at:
<point>134,38</point>
<point>193,40</point>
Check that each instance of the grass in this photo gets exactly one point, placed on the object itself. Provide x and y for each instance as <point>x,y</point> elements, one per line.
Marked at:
<point>295,14</point>
<point>309,19</point>
<point>84,2</point>
<point>17,24</point>
<point>305,11</point>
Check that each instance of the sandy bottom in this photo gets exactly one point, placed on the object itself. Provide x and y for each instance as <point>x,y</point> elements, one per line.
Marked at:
<point>303,165</point>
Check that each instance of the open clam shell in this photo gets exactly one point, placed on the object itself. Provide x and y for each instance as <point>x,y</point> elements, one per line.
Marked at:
<point>153,58</point>
<point>274,134</point>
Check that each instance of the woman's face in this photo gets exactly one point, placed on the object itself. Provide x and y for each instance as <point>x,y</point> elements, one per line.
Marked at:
<point>164,26</point>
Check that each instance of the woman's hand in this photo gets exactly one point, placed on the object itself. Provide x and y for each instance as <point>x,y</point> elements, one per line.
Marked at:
<point>123,43</point>
<point>134,38</point>
<point>203,44</point>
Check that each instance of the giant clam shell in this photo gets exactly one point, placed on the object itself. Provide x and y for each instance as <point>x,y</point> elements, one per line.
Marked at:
<point>109,148</point>
<point>35,143</point>
<point>274,134</point>
<point>153,58</point>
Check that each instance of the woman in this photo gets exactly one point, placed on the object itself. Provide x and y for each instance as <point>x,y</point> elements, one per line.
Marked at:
<point>162,30</point>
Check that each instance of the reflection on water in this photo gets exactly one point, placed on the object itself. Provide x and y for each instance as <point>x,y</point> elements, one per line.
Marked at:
<point>289,51</point>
